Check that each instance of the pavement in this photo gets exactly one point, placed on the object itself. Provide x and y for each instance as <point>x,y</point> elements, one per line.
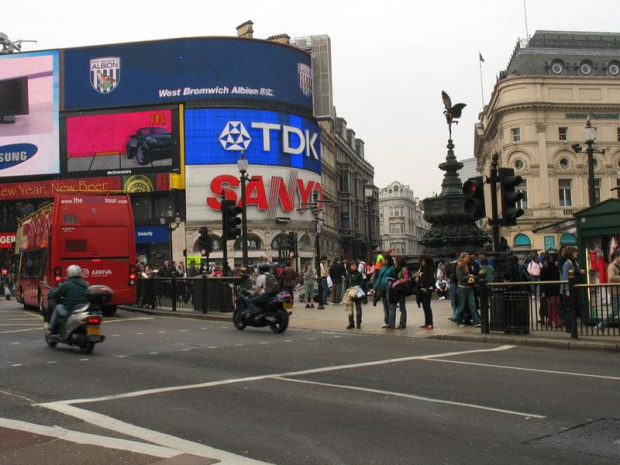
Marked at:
<point>334,318</point>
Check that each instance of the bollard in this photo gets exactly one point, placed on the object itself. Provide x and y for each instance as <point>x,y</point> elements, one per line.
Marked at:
<point>483,293</point>
<point>573,303</point>
<point>173,292</point>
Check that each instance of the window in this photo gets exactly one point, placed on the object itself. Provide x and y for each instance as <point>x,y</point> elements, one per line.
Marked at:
<point>618,134</point>
<point>562,133</point>
<point>523,189</point>
<point>613,69</point>
<point>397,228</point>
<point>516,134</point>
<point>568,239</point>
<point>521,240</point>
<point>549,243</point>
<point>564,186</point>
<point>597,191</point>
<point>557,67</point>
<point>253,243</point>
<point>564,163</point>
<point>518,164</point>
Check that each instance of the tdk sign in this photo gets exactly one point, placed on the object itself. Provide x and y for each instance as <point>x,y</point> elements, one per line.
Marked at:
<point>14,154</point>
<point>294,140</point>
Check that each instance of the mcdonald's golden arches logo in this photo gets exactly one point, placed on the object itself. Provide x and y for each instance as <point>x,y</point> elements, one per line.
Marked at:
<point>158,119</point>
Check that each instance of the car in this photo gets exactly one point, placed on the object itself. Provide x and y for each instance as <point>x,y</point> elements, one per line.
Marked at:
<point>148,144</point>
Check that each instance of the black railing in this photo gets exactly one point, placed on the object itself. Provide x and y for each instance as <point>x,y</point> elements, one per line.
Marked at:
<point>521,307</point>
<point>200,294</point>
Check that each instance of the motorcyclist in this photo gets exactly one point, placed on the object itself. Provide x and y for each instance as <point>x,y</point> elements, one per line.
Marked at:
<point>260,295</point>
<point>67,296</point>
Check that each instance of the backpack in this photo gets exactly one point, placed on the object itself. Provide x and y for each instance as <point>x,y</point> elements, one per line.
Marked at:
<point>272,285</point>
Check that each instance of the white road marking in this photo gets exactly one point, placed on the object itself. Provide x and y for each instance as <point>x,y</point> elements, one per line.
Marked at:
<point>275,375</point>
<point>21,324</point>
<point>90,439</point>
<point>153,353</point>
<point>536,370</point>
<point>115,335</point>
<point>264,342</point>
<point>288,340</point>
<point>411,396</point>
<point>238,345</point>
<point>185,350</point>
<point>83,360</point>
<point>161,332</point>
<point>188,447</point>
<point>184,330</point>
<point>121,356</point>
<point>139,333</point>
<point>52,362</point>
<point>15,343</point>
<point>203,328</point>
<point>17,365</point>
<point>129,319</point>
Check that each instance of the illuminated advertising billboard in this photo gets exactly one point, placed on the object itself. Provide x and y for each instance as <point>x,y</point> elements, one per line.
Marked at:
<point>271,192</point>
<point>218,136</point>
<point>29,130</point>
<point>121,143</point>
<point>166,71</point>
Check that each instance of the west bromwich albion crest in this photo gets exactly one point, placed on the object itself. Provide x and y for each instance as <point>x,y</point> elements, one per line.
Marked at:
<point>305,79</point>
<point>105,74</point>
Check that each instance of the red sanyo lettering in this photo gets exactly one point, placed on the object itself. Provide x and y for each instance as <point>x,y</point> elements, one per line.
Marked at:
<point>256,195</point>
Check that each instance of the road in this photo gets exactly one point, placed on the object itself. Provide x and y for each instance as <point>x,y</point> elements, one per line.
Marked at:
<point>165,389</point>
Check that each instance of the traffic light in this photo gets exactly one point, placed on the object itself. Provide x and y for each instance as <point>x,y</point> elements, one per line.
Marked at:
<point>508,183</point>
<point>204,241</point>
<point>474,198</point>
<point>290,241</point>
<point>230,219</point>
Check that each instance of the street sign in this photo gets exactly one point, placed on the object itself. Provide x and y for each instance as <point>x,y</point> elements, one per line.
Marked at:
<point>283,219</point>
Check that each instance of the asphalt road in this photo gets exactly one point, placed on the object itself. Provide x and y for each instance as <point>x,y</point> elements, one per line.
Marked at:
<point>204,389</point>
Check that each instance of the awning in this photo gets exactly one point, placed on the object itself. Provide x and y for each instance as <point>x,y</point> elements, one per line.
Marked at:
<point>562,226</point>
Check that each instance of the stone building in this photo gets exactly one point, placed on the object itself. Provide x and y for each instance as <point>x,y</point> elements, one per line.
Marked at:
<point>537,111</point>
<point>401,219</point>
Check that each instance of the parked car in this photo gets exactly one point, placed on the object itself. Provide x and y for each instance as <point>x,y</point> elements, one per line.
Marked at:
<point>148,144</point>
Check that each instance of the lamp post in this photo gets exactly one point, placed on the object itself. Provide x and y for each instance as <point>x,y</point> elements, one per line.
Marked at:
<point>589,135</point>
<point>172,226</point>
<point>242,165</point>
<point>369,193</point>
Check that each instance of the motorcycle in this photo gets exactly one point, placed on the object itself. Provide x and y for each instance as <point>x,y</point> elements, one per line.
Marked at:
<point>82,328</point>
<point>273,313</point>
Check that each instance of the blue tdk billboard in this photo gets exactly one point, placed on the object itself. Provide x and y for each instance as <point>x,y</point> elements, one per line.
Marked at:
<point>179,70</point>
<point>218,136</point>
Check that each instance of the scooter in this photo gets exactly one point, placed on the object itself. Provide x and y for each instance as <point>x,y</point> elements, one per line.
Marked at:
<point>82,328</point>
<point>273,313</point>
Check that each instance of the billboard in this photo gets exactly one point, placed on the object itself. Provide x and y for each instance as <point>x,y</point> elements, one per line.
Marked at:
<point>121,143</point>
<point>29,114</point>
<point>218,136</point>
<point>271,192</point>
<point>178,70</point>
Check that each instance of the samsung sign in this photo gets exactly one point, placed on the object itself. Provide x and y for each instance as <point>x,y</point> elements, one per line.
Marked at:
<point>218,136</point>
<point>179,70</point>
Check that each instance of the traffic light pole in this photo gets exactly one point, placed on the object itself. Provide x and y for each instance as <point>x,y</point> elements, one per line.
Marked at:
<point>494,211</point>
<point>224,238</point>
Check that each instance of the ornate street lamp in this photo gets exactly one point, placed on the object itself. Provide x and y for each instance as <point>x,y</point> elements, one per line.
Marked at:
<point>589,136</point>
<point>172,226</point>
<point>369,192</point>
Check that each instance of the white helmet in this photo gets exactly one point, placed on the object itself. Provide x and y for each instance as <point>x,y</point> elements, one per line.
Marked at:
<point>73,271</point>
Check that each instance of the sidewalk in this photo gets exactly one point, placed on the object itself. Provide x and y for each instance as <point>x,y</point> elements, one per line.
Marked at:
<point>334,318</point>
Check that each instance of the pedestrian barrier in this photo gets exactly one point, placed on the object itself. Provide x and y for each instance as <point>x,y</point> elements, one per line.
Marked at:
<point>201,293</point>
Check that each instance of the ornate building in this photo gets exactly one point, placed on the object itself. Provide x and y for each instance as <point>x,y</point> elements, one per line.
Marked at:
<point>537,111</point>
<point>401,219</point>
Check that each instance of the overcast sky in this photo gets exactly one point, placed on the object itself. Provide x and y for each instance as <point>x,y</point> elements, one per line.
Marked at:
<point>391,59</point>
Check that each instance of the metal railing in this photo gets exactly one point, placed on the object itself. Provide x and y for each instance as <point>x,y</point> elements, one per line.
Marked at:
<point>200,294</point>
<point>521,307</point>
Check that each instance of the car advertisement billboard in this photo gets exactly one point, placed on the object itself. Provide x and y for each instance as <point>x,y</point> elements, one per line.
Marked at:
<point>29,130</point>
<point>271,192</point>
<point>178,70</point>
<point>218,136</point>
<point>121,143</point>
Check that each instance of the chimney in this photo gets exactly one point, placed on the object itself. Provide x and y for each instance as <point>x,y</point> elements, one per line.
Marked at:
<point>280,39</point>
<point>245,30</point>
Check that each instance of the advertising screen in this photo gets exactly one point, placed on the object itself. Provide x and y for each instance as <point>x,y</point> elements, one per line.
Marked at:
<point>121,143</point>
<point>179,70</point>
<point>29,114</point>
<point>218,136</point>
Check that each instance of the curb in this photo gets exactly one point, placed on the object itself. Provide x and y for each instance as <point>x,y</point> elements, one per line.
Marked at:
<point>169,313</point>
<point>533,342</point>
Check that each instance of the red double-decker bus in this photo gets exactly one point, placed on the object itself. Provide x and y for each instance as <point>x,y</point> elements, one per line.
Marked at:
<point>95,232</point>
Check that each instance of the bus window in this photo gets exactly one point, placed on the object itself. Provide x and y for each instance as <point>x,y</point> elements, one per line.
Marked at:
<point>33,264</point>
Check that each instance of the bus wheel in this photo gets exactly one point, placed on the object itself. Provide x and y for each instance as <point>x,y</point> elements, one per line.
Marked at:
<point>109,310</point>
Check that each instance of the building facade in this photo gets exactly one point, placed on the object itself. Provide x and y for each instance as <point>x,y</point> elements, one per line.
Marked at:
<point>401,219</point>
<point>469,170</point>
<point>537,112</point>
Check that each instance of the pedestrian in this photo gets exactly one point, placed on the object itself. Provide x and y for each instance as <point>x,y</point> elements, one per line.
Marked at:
<point>323,274</point>
<point>426,283</point>
<point>613,275</point>
<point>466,281</point>
<point>450,272</point>
<point>289,278</point>
<point>354,281</point>
<point>400,294</point>
<point>551,301</point>
<point>361,267</point>
<point>309,282</point>
<point>387,274</point>
<point>336,274</point>
<point>533,269</point>
<point>488,268</point>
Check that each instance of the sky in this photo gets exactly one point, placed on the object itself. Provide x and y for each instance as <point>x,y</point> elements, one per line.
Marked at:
<point>390,59</point>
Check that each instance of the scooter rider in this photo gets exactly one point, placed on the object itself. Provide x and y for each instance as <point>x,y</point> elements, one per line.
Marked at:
<point>260,295</point>
<point>70,294</point>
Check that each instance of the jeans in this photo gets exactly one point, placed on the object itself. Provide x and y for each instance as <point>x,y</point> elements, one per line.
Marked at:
<point>325,291</point>
<point>358,312</point>
<point>426,305</point>
<point>453,294</point>
<point>336,292</point>
<point>615,312</point>
<point>59,311</point>
<point>255,303</point>
<point>467,297</point>
<point>386,309</point>
<point>536,287</point>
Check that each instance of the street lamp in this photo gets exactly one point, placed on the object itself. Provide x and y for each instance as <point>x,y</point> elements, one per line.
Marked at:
<point>369,193</point>
<point>172,226</point>
<point>242,165</point>
<point>589,135</point>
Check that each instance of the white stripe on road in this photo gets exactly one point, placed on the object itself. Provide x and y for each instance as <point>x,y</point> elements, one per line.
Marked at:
<point>411,396</point>
<point>166,440</point>
<point>90,439</point>
<point>536,370</point>
<point>40,328</point>
<point>274,375</point>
